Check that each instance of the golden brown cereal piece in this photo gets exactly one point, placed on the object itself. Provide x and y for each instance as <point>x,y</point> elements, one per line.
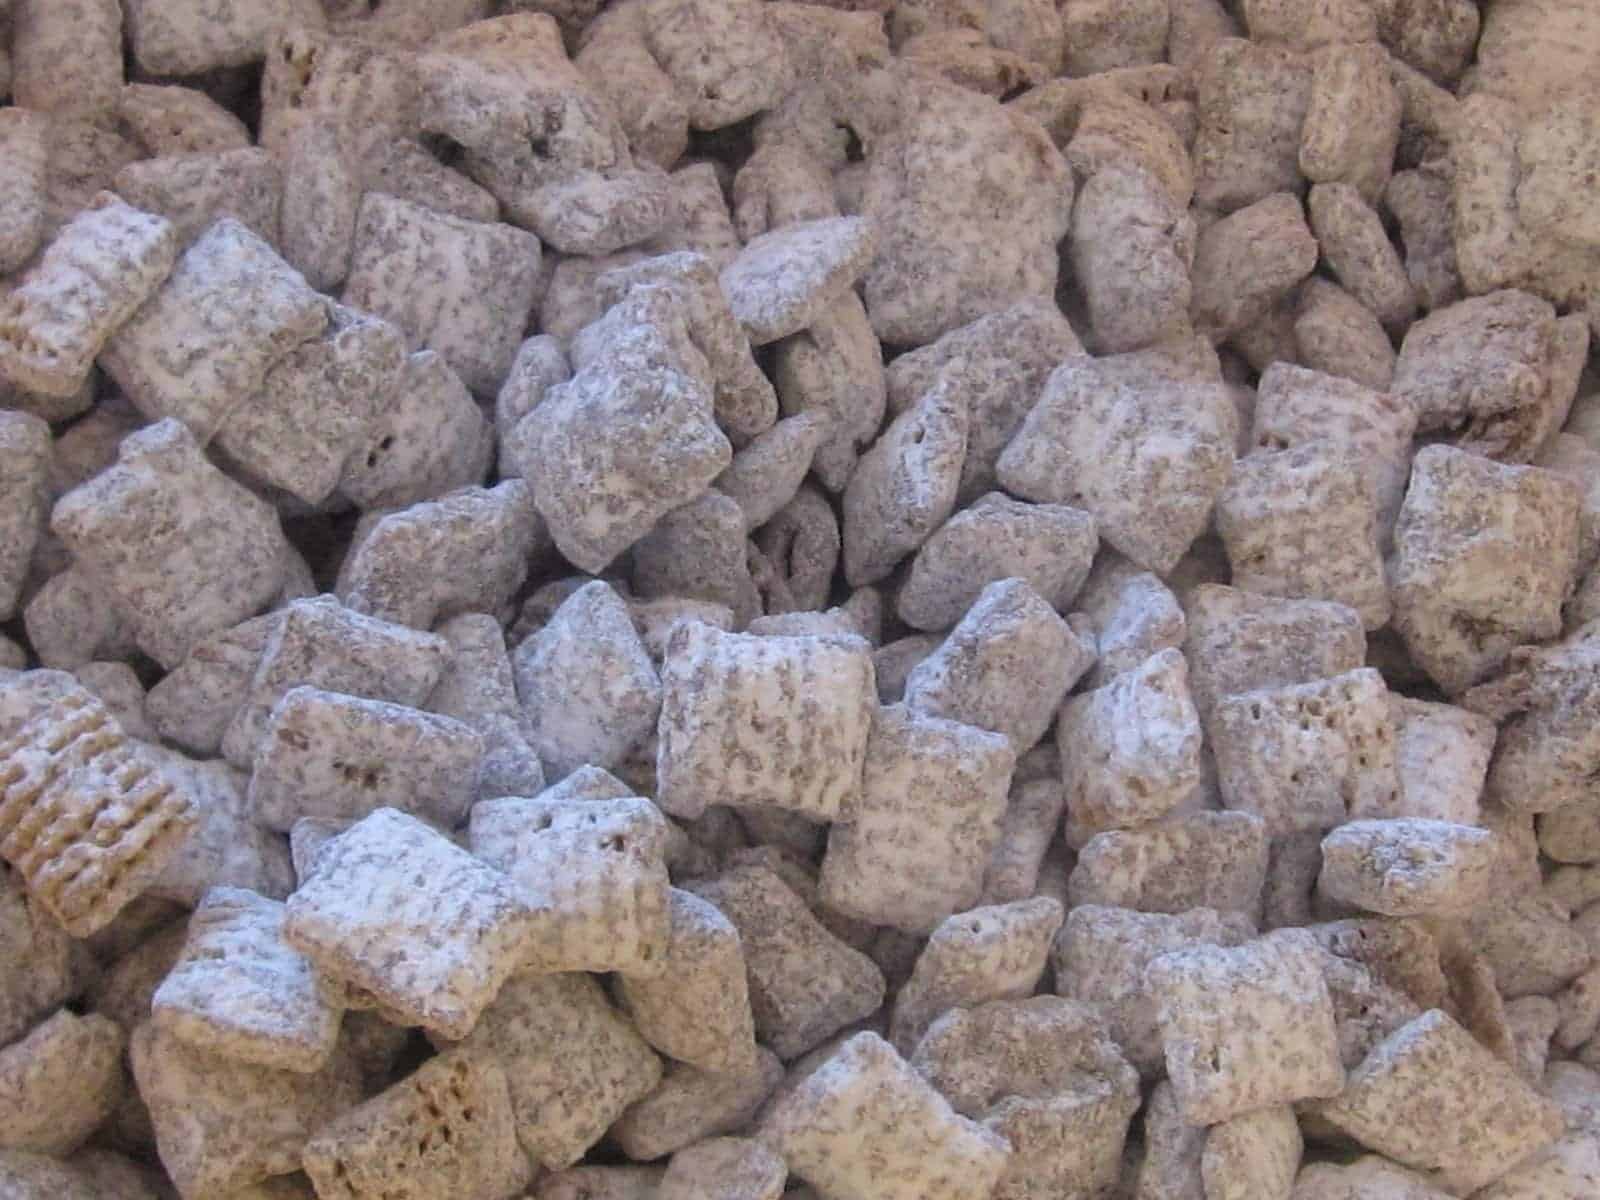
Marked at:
<point>85,818</point>
<point>445,1130</point>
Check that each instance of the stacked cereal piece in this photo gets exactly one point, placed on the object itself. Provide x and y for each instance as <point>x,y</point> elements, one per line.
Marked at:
<point>874,600</point>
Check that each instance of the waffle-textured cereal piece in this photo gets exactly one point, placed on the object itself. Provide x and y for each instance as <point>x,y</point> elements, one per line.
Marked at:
<point>865,1124</point>
<point>724,1169</point>
<point>446,1129</point>
<point>435,956</point>
<point>85,817</point>
<point>690,1104</point>
<point>1307,756</point>
<point>24,140</point>
<point>1099,959</point>
<point>477,688</point>
<point>1466,592</point>
<point>1194,860</point>
<point>1409,866</point>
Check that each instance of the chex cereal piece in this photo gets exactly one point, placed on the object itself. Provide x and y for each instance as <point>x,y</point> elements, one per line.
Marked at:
<point>783,280</point>
<point>696,1009</point>
<point>1307,756</point>
<point>61,1082</point>
<point>1247,263</point>
<point>1371,1177</point>
<point>914,847</point>
<point>173,120</point>
<point>24,143</point>
<point>835,366</point>
<point>1238,642</point>
<point>1432,1099</point>
<point>205,341</point>
<point>1254,1154</point>
<point>572,1061</point>
<point>1485,372</point>
<point>1001,361</point>
<point>477,688</point>
<point>691,1104</point>
<point>446,1129</point>
<point>1336,336</point>
<point>798,708</point>
<point>320,643</point>
<point>1004,668</point>
<point>1409,867</point>
<point>462,288</point>
<point>600,1183</point>
<point>88,283</point>
<point>49,967</point>
<point>1103,431</point>
<point>991,953</point>
<point>193,190</point>
<point>316,404</point>
<point>948,257</point>
<point>701,551</point>
<point>1304,522</point>
<point>185,37</point>
<point>430,439</point>
<point>184,549</point>
<point>436,956</point>
<point>1357,249</point>
<point>766,474</point>
<point>1049,546</point>
<point>1252,102</point>
<point>1173,1152</point>
<point>905,486</point>
<point>228,848</point>
<point>744,400</point>
<point>25,453</point>
<point>622,443</point>
<point>466,552</point>
<point>1545,754</point>
<point>241,992</point>
<point>1130,615</point>
<point>724,1169</point>
<point>1042,1074</point>
<point>805,984</point>
<point>85,817</point>
<point>1528,943</point>
<point>593,871</point>
<point>589,691</point>
<point>1202,859</point>
<point>1027,830</point>
<point>221,1124</point>
<point>1466,592</point>
<point>1100,955</point>
<point>864,1124</point>
<point>1246,1027</point>
<point>1130,750</point>
<point>339,757</point>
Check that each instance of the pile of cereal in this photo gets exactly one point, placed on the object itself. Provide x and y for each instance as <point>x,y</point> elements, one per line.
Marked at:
<point>859,600</point>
